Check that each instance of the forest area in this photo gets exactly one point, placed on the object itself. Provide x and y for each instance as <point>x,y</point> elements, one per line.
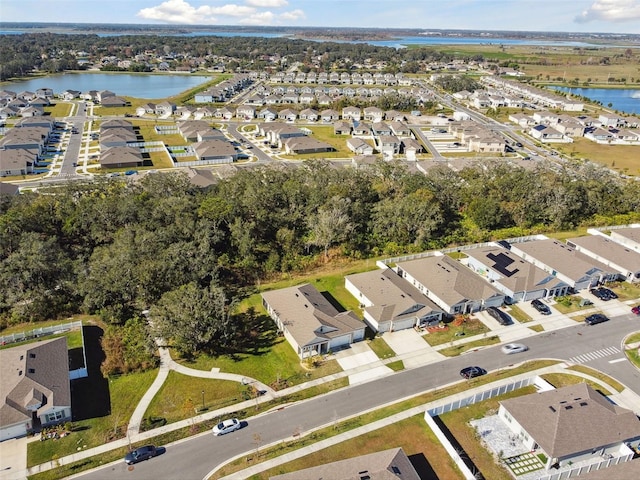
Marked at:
<point>116,248</point>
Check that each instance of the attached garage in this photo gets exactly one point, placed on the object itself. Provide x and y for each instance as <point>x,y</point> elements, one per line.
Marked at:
<point>13,431</point>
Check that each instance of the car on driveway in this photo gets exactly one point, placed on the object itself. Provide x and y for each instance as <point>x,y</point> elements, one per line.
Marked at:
<point>500,316</point>
<point>471,372</point>
<point>228,426</point>
<point>541,307</point>
<point>510,348</point>
<point>595,318</point>
<point>604,294</point>
<point>141,454</point>
<point>608,292</point>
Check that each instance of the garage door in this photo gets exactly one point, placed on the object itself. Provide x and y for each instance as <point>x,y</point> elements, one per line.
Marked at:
<point>403,324</point>
<point>13,432</point>
<point>340,342</point>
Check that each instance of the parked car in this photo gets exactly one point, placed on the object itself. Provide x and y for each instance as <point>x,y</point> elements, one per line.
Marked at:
<point>636,310</point>
<point>471,372</point>
<point>541,307</point>
<point>510,348</point>
<point>599,294</point>
<point>141,454</point>
<point>130,172</point>
<point>608,292</point>
<point>227,426</point>
<point>500,316</point>
<point>595,318</point>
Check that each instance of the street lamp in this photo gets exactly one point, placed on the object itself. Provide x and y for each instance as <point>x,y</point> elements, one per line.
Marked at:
<point>203,400</point>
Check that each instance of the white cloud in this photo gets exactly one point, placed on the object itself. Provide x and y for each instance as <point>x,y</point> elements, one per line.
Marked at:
<point>293,15</point>
<point>181,11</point>
<point>267,3</point>
<point>611,11</point>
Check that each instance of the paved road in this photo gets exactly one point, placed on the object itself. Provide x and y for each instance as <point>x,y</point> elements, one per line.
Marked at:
<point>195,457</point>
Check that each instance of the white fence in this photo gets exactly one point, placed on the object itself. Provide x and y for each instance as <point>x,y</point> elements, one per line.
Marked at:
<point>592,467</point>
<point>39,332</point>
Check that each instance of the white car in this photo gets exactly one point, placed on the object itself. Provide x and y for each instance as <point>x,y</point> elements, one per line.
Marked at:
<point>510,348</point>
<point>227,426</point>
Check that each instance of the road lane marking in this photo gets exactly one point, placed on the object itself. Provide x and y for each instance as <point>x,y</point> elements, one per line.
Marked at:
<point>617,360</point>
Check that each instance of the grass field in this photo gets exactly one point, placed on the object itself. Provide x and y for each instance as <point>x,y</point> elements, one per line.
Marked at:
<point>471,327</point>
<point>59,109</point>
<point>125,392</point>
<point>622,158</point>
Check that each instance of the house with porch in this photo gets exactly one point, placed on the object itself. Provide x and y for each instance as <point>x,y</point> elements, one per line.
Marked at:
<point>574,268</point>
<point>603,249</point>
<point>35,389</point>
<point>572,424</point>
<point>519,280</point>
<point>390,303</point>
<point>450,285</point>
<point>309,322</point>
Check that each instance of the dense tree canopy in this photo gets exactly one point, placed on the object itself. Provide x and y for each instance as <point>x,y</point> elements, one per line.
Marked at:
<point>116,248</point>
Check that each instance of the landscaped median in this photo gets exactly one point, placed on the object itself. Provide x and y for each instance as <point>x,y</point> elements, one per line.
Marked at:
<point>632,348</point>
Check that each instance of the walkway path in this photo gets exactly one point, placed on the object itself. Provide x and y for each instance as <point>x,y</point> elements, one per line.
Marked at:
<point>167,364</point>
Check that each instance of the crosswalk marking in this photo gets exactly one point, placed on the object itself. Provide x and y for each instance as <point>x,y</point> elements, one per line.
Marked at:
<point>587,357</point>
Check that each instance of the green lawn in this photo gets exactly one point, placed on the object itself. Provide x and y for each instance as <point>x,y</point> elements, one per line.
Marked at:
<point>458,349</point>
<point>381,348</point>
<point>519,314</point>
<point>58,109</point>
<point>633,354</point>
<point>125,392</point>
<point>471,327</point>
<point>181,396</point>
<point>279,363</point>
<point>560,380</point>
<point>570,304</point>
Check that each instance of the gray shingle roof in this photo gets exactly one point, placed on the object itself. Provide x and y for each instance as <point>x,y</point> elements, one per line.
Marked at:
<point>610,250</point>
<point>390,464</point>
<point>33,374</point>
<point>572,419</point>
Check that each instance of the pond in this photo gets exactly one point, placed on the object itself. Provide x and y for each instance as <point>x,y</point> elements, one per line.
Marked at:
<point>125,84</point>
<point>625,100</point>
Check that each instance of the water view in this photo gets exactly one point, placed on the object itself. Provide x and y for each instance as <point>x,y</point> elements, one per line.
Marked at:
<point>126,84</point>
<point>438,40</point>
<point>624,100</point>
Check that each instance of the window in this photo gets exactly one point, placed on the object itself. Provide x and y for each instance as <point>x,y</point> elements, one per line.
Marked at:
<point>55,416</point>
<point>32,370</point>
<point>32,355</point>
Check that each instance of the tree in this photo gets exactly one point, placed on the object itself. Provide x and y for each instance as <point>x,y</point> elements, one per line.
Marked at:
<point>194,319</point>
<point>330,225</point>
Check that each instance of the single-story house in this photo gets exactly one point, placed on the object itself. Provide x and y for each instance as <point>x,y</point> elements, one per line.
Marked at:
<point>309,114</point>
<point>613,254</point>
<point>342,128</point>
<point>146,109</point>
<point>571,424</point>
<point>113,102</point>
<point>390,302</point>
<point>121,157</point>
<point>329,115</point>
<point>386,465</point>
<point>359,146</point>
<point>16,161</point>
<point>117,137</point>
<point>517,279</point>
<point>545,133</point>
<point>629,237</point>
<point>574,268</point>
<point>309,322</point>
<point>35,389</point>
<point>215,151</point>
<point>300,145</point>
<point>450,284</point>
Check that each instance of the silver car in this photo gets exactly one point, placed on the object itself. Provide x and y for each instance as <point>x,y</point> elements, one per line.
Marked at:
<point>227,426</point>
<point>510,348</point>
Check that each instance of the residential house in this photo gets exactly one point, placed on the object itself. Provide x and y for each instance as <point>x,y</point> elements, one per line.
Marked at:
<point>351,113</point>
<point>309,322</point>
<point>373,114</point>
<point>450,285</point>
<point>391,303</point>
<point>35,389</point>
<point>342,128</point>
<point>246,112</point>
<point>613,254</point>
<point>576,269</point>
<point>276,132</point>
<point>165,109</point>
<point>487,143</point>
<point>400,129</point>
<point>359,146</point>
<point>611,120</point>
<point>522,119</point>
<point>572,424</point>
<point>629,237</point>
<point>267,114</point>
<point>16,161</point>
<point>304,144</point>
<point>362,129</point>
<point>519,280</point>
<point>410,147</point>
<point>146,109</point>
<point>599,135</point>
<point>309,115</point>
<point>113,101</point>
<point>390,464</point>
<point>117,137</point>
<point>202,178</point>
<point>121,157</point>
<point>546,134</point>
<point>329,116</point>
<point>288,115</point>
<point>388,145</point>
<point>215,151</point>
<point>115,123</point>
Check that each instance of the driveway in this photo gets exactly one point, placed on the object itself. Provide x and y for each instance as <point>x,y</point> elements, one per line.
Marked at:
<point>411,347</point>
<point>13,459</point>
<point>364,363</point>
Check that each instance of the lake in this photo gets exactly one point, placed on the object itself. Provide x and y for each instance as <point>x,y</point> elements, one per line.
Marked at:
<point>125,84</point>
<point>625,100</point>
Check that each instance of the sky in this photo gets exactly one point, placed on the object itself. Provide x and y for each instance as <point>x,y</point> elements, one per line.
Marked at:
<point>610,16</point>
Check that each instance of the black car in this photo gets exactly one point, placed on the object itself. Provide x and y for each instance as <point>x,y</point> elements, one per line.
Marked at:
<point>599,294</point>
<point>499,315</point>
<point>471,372</point>
<point>141,454</point>
<point>595,318</point>
<point>609,293</point>
<point>541,307</point>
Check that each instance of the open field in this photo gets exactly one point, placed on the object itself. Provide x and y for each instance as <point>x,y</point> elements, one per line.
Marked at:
<point>622,158</point>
